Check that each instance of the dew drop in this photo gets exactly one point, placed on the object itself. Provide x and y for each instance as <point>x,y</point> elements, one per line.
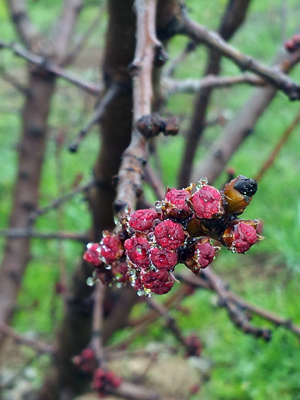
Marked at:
<point>158,206</point>
<point>119,285</point>
<point>90,281</point>
<point>140,292</point>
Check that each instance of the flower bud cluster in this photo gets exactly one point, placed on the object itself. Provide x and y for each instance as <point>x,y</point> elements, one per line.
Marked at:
<point>149,243</point>
<point>105,381</point>
<point>293,44</point>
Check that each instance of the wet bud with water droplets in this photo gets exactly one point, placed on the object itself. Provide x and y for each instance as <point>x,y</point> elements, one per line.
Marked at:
<point>111,247</point>
<point>158,282</point>
<point>175,204</point>
<point>136,249</point>
<point>163,259</point>
<point>200,254</point>
<point>207,202</point>
<point>92,254</point>
<point>169,235</point>
<point>142,220</point>
<point>240,236</point>
<point>86,360</point>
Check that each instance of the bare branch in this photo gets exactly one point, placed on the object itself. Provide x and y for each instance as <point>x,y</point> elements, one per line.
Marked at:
<point>99,111</point>
<point>214,41</point>
<point>36,345</point>
<point>173,86</point>
<point>90,87</point>
<point>15,233</point>
<point>57,202</point>
<point>97,325</point>
<point>12,80</point>
<point>83,39</point>
<point>25,28</point>
<point>271,159</point>
<point>65,28</point>
<point>135,156</point>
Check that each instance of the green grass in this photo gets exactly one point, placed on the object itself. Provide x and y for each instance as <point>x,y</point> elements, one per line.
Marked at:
<point>268,276</point>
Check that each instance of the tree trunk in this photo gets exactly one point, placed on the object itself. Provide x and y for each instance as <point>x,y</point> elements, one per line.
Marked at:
<point>26,193</point>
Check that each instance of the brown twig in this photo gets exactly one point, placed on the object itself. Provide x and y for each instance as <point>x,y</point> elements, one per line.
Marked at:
<point>83,39</point>
<point>99,111</point>
<point>26,30</point>
<point>155,183</point>
<point>12,80</point>
<point>97,325</point>
<point>36,345</point>
<point>90,87</point>
<point>170,321</point>
<point>15,233</point>
<point>214,41</point>
<point>170,69</point>
<point>135,156</point>
<point>271,159</point>
<point>58,202</point>
<point>173,86</point>
<point>211,281</point>
<point>65,28</point>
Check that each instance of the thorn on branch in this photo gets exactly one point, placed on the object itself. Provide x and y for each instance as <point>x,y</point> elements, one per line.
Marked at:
<point>153,124</point>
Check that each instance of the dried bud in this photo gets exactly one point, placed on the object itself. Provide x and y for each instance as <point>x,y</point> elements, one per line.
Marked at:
<point>171,126</point>
<point>238,193</point>
<point>150,125</point>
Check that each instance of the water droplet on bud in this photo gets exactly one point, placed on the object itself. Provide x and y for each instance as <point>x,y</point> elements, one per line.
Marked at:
<point>90,281</point>
<point>158,206</point>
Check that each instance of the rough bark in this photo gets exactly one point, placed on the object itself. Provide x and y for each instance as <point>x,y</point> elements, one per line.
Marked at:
<point>233,18</point>
<point>31,155</point>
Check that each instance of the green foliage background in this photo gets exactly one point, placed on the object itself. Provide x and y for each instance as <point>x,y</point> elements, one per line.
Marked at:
<point>242,367</point>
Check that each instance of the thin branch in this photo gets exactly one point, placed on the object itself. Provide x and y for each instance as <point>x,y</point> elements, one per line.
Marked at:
<point>154,181</point>
<point>12,80</point>
<point>97,325</point>
<point>65,28</point>
<point>170,321</point>
<point>173,86</point>
<point>15,233</point>
<point>96,117</point>
<point>271,159</point>
<point>170,69</point>
<point>83,39</point>
<point>214,41</point>
<point>211,281</point>
<point>36,345</point>
<point>26,30</point>
<point>58,202</point>
<point>135,156</point>
<point>88,86</point>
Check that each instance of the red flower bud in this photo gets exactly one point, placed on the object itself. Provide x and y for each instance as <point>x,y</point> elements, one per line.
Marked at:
<point>136,249</point>
<point>240,236</point>
<point>92,254</point>
<point>169,235</point>
<point>162,258</point>
<point>200,255</point>
<point>142,220</point>
<point>207,202</point>
<point>111,247</point>
<point>175,204</point>
<point>159,282</point>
